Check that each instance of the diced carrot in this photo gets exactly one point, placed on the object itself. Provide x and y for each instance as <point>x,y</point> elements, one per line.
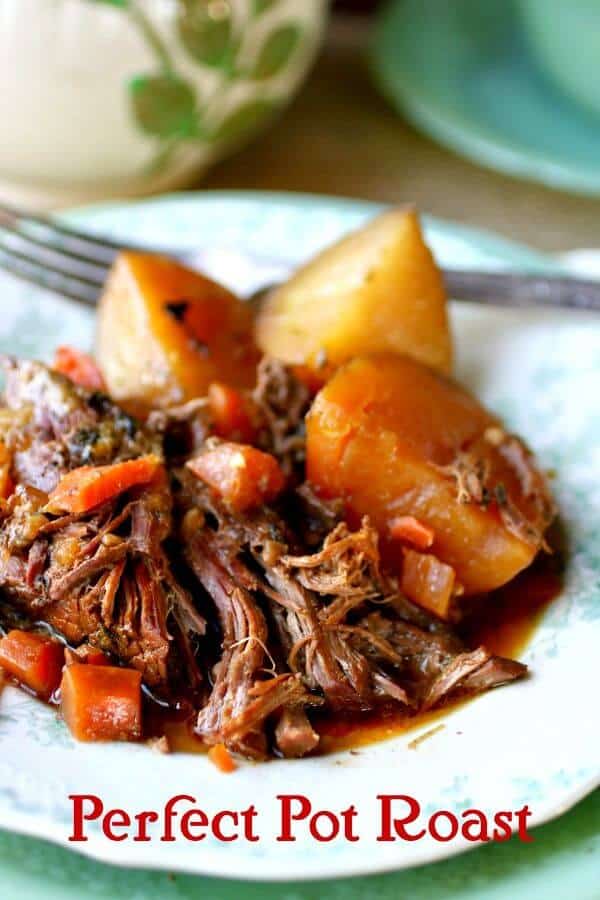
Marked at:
<point>79,367</point>
<point>231,413</point>
<point>244,476</point>
<point>412,531</point>
<point>97,658</point>
<point>86,487</point>
<point>85,654</point>
<point>36,660</point>
<point>429,582</point>
<point>102,703</point>
<point>220,756</point>
<point>7,485</point>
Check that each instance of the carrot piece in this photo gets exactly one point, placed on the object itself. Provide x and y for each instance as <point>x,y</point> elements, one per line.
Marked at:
<point>412,531</point>
<point>79,367</point>
<point>231,413</point>
<point>220,756</point>
<point>83,488</point>
<point>244,476</point>
<point>36,660</point>
<point>97,658</point>
<point>102,703</point>
<point>7,485</point>
<point>429,582</point>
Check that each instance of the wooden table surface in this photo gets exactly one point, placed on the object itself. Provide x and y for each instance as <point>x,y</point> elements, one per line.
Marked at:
<point>340,137</point>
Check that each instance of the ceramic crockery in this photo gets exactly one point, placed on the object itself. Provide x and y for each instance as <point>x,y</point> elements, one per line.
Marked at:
<point>125,97</point>
<point>535,742</point>
<point>465,74</point>
<point>565,38</point>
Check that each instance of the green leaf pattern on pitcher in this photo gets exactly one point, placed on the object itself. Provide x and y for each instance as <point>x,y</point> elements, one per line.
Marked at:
<point>207,33</point>
<point>275,53</point>
<point>164,106</point>
<point>165,102</point>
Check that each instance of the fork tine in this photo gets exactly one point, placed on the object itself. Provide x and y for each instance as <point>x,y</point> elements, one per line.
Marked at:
<point>60,266</point>
<point>96,249</point>
<point>35,249</point>
<point>51,279</point>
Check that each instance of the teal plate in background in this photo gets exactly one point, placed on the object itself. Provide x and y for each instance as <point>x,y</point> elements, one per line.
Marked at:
<point>562,862</point>
<point>462,72</point>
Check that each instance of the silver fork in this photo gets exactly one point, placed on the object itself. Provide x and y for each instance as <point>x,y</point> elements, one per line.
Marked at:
<point>75,265</point>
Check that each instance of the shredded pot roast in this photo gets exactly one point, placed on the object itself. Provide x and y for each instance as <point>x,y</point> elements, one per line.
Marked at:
<point>256,603</point>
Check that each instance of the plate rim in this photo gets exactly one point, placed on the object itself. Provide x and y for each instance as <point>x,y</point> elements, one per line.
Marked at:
<point>92,850</point>
<point>491,240</point>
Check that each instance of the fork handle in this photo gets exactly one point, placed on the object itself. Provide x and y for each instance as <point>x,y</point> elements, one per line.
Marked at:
<point>514,289</point>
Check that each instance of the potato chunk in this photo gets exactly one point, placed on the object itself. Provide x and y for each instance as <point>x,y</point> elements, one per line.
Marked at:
<point>165,332</point>
<point>393,438</point>
<point>376,290</point>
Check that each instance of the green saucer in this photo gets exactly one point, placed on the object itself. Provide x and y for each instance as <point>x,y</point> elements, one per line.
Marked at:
<point>462,72</point>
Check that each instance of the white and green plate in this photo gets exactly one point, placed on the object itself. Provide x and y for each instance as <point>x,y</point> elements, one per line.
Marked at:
<point>535,742</point>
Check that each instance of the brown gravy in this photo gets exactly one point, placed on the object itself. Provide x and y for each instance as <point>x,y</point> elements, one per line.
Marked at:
<point>504,622</point>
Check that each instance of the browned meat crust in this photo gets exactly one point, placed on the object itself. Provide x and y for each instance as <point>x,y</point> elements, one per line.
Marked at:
<point>104,577</point>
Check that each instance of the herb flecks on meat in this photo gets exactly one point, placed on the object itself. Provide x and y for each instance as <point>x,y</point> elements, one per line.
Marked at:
<point>51,425</point>
<point>101,576</point>
<point>267,614</point>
